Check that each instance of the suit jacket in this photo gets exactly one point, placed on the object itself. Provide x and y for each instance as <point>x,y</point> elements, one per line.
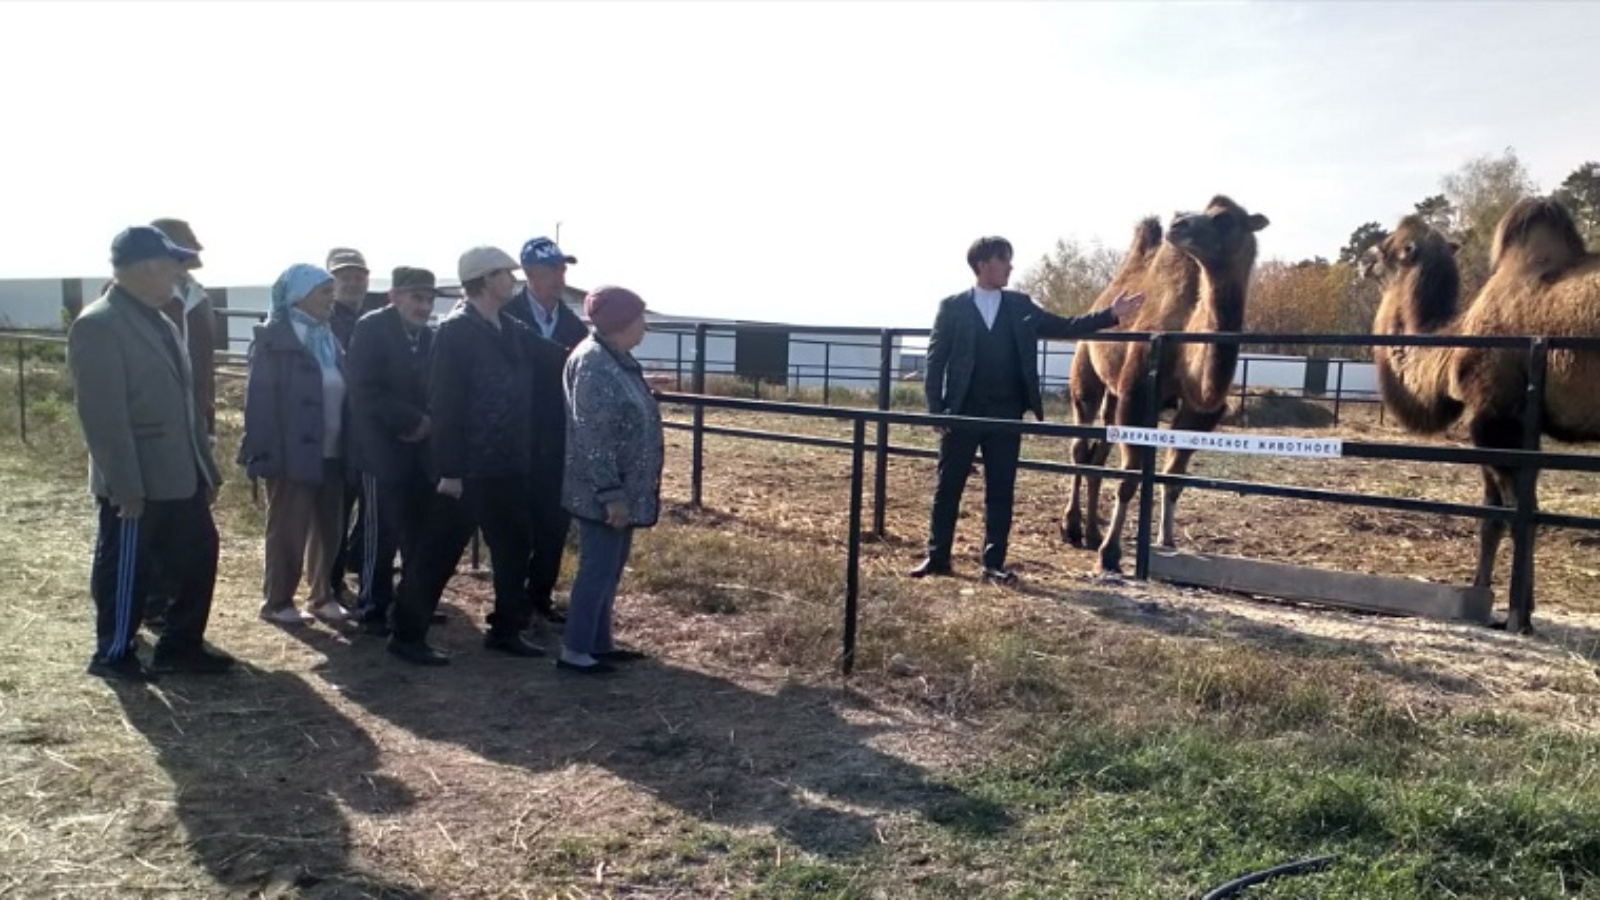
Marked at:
<point>569,331</point>
<point>952,348</point>
<point>388,395</point>
<point>135,402</point>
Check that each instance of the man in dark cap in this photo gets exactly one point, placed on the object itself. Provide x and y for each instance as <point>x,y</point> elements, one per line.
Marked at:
<point>151,468</point>
<point>389,430</point>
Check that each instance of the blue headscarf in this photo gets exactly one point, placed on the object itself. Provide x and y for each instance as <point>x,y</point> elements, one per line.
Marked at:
<point>295,284</point>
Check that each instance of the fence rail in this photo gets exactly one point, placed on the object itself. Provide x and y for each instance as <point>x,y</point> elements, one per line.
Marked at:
<point>1526,461</point>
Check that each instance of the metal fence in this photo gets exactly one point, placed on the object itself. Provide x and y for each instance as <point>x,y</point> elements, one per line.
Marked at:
<point>1527,460</point>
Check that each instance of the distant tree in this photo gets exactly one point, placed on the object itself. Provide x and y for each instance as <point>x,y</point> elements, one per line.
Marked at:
<point>1068,279</point>
<point>1361,239</point>
<point>1580,193</point>
<point>1479,193</point>
<point>1437,212</point>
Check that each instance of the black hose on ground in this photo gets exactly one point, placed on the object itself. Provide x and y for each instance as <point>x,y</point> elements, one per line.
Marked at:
<point>1302,867</point>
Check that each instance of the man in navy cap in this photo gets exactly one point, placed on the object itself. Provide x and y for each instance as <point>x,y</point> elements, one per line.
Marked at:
<point>539,304</point>
<point>151,469</point>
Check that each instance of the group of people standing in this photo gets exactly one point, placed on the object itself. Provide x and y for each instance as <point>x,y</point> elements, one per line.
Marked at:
<point>508,417</point>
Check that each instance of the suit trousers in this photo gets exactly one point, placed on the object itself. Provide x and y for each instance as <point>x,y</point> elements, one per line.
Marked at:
<point>498,507</point>
<point>394,510</point>
<point>179,536</point>
<point>957,449</point>
<point>305,526</point>
<point>550,524</point>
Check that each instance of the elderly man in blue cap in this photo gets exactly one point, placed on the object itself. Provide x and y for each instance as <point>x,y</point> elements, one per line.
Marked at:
<point>151,468</point>
<point>539,304</point>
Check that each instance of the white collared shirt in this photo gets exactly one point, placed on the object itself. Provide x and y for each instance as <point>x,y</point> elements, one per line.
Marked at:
<point>988,303</point>
<point>546,326</point>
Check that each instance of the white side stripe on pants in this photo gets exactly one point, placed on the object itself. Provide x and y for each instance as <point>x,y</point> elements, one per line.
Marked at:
<point>127,565</point>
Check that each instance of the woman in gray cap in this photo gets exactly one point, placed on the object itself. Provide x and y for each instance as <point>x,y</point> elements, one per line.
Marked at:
<point>612,483</point>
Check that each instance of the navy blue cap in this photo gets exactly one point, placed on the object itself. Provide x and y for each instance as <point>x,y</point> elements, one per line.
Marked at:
<point>142,242</point>
<point>541,251</point>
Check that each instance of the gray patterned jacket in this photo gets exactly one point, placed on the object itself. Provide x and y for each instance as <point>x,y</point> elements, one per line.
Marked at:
<point>614,437</point>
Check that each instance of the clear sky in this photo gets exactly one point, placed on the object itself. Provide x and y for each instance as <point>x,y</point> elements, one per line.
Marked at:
<point>820,162</point>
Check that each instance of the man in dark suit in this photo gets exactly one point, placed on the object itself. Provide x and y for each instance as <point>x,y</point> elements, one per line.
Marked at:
<point>389,429</point>
<point>539,304</point>
<point>151,468</point>
<point>983,362</point>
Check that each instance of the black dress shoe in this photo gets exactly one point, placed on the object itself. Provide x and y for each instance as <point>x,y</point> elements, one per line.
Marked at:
<point>197,659</point>
<point>552,616</point>
<point>417,653</point>
<point>930,567</point>
<point>128,669</point>
<point>999,576</point>
<point>514,644</point>
<point>598,668</point>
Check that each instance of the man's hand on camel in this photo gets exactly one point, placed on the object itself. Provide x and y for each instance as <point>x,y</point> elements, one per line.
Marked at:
<point>1126,306</point>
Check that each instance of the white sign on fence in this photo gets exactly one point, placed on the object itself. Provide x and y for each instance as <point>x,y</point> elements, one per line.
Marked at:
<point>1263,444</point>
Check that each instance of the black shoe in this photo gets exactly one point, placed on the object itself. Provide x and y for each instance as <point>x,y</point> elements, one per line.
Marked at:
<point>417,653</point>
<point>194,660</point>
<point>620,655</point>
<point>551,615</point>
<point>128,669</point>
<point>999,576</point>
<point>439,618</point>
<point>599,668</point>
<point>930,567</point>
<point>514,644</point>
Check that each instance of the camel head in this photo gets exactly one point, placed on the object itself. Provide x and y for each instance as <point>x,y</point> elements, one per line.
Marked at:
<point>1412,245</point>
<point>1223,235</point>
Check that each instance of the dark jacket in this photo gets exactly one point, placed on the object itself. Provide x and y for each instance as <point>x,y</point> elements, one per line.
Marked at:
<point>614,438</point>
<point>388,395</point>
<point>569,331</point>
<point>342,320</point>
<point>283,422</point>
<point>480,393</point>
<point>549,405</point>
<point>952,348</point>
<point>199,329</point>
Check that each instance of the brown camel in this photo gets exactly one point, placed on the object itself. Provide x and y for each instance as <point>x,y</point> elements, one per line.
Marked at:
<point>1196,280</point>
<point>1542,282</point>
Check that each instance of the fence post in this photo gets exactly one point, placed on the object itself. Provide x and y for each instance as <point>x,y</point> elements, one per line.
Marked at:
<point>1147,466</point>
<point>827,363</point>
<point>477,552</point>
<point>1338,391</point>
<point>880,477</point>
<point>678,366</point>
<point>1244,395</point>
<point>697,463</point>
<point>22,390</point>
<point>852,573</point>
<point>1523,528</point>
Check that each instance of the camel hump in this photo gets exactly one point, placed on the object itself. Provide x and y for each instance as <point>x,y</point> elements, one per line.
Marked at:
<point>1538,236</point>
<point>1146,238</point>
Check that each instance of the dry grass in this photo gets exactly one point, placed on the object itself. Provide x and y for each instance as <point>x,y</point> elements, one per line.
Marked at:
<point>735,764</point>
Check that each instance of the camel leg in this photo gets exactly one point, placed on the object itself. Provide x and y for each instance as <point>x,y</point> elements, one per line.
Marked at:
<point>1499,489</point>
<point>1092,534</point>
<point>1188,418</point>
<point>1088,395</point>
<point>1111,547</point>
<point>1490,531</point>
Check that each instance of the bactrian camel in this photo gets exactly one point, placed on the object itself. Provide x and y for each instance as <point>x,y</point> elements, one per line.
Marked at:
<point>1542,282</point>
<point>1196,279</point>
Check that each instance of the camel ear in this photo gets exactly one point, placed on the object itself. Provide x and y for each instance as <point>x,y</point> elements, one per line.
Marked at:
<point>1258,222</point>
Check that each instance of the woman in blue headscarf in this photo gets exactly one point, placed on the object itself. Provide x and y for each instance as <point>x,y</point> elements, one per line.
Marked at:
<point>294,414</point>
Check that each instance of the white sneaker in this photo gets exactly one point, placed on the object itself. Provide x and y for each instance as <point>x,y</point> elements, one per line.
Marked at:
<point>331,612</point>
<point>289,615</point>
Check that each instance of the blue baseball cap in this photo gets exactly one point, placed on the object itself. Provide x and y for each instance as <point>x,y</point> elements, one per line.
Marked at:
<point>541,251</point>
<point>142,242</point>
